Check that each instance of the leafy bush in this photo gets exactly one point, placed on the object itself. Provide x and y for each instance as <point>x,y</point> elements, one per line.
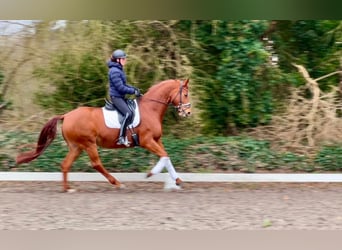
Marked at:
<point>76,80</point>
<point>232,74</point>
<point>330,158</point>
<point>197,154</point>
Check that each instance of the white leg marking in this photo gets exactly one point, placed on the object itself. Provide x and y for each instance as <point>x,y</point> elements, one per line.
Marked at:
<point>165,162</point>
<point>159,166</point>
<point>171,169</point>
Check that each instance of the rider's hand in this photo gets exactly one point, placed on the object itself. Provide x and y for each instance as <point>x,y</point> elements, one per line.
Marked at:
<point>137,92</point>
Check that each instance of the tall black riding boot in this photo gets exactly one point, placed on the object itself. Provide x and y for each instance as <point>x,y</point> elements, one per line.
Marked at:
<point>122,135</point>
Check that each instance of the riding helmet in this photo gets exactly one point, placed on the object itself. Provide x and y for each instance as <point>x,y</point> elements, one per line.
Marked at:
<point>118,54</point>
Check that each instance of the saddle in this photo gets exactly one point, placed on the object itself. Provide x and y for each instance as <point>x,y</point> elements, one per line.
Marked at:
<point>113,118</point>
<point>130,103</point>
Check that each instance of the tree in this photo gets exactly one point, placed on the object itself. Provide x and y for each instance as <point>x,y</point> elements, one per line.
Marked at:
<point>308,123</point>
<point>76,79</point>
<point>2,103</point>
<point>311,43</point>
<point>234,77</point>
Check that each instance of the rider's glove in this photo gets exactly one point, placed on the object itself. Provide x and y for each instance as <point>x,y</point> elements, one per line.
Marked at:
<point>137,92</point>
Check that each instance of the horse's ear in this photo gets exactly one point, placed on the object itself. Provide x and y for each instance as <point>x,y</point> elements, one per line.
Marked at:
<point>186,83</point>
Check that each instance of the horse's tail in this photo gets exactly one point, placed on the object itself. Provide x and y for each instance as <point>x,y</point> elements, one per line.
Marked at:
<point>46,136</point>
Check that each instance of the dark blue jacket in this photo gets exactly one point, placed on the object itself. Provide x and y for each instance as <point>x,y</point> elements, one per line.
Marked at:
<point>117,81</point>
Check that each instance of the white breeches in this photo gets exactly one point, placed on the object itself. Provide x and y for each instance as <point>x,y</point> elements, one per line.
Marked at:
<point>165,162</point>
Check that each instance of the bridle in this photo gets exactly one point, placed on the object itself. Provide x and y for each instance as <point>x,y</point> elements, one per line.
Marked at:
<point>181,107</point>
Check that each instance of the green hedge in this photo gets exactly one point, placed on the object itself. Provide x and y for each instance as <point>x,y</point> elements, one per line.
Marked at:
<point>197,154</point>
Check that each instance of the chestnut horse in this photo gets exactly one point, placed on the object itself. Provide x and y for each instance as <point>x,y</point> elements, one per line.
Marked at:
<point>84,128</point>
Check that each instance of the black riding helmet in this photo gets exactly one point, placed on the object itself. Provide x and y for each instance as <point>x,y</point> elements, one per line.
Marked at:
<point>118,54</point>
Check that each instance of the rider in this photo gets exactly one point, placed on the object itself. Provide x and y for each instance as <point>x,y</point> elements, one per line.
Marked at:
<point>118,88</point>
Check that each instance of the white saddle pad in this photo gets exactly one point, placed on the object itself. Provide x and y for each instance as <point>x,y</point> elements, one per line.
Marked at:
<point>111,117</point>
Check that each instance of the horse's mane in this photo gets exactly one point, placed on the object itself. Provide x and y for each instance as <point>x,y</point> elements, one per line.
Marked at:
<point>157,85</point>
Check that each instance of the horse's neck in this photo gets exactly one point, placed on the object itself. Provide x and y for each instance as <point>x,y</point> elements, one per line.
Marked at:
<point>156,100</point>
<point>163,90</point>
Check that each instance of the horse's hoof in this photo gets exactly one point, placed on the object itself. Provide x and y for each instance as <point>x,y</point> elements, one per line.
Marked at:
<point>179,182</point>
<point>148,175</point>
<point>121,186</point>
<point>71,190</point>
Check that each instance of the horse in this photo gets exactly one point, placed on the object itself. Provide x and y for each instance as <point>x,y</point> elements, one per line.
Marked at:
<point>84,129</point>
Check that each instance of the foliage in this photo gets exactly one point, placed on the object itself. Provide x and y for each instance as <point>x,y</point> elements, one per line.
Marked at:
<point>307,123</point>
<point>4,102</point>
<point>233,85</point>
<point>330,158</point>
<point>311,43</point>
<point>192,154</point>
<point>77,80</point>
<point>1,82</point>
<point>235,80</point>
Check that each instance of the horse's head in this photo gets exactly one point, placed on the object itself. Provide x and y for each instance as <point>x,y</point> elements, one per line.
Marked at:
<point>181,100</point>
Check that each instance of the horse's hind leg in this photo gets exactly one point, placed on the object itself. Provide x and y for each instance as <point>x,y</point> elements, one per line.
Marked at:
<point>72,155</point>
<point>97,164</point>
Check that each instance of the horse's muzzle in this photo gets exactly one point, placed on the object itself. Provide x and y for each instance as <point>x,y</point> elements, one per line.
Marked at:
<point>184,110</point>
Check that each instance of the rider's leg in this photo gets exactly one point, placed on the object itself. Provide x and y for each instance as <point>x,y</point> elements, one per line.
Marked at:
<point>122,135</point>
<point>121,105</point>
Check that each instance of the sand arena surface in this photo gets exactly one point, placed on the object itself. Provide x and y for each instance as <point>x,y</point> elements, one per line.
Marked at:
<point>147,206</point>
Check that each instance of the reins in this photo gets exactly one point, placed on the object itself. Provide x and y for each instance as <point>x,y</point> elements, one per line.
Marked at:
<point>161,102</point>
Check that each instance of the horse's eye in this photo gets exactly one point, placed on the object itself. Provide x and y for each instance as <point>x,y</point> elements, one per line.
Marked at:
<point>186,95</point>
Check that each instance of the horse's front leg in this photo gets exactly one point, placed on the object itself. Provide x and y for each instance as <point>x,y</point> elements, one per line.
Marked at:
<point>164,161</point>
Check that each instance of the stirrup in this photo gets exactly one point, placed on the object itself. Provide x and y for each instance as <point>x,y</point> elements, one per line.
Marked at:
<point>123,141</point>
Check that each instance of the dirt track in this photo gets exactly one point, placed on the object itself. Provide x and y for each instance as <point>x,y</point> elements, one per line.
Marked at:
<point>198,206</point>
